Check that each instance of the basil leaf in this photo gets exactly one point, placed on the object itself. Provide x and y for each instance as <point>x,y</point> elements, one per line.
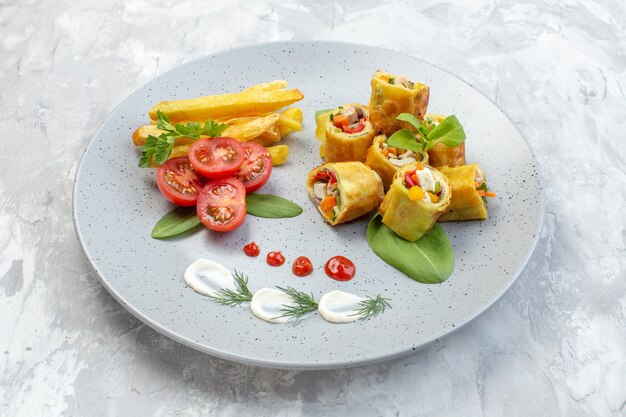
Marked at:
<point>429,260</point>
<point>449,132</point>
<point>176,222</point>
<point>271,206</point>
<point>404,139</point>
<point>409,118</point>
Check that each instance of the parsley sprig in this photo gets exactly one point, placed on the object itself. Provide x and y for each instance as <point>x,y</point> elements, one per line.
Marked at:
<point>159,148</point>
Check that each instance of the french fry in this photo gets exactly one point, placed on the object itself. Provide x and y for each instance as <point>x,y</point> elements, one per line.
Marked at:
<point>225,106</point>
<point>279,154</point>
<point>272,85</point>
<point>269,137</point>
<point>140,135</point>
<point>179,150</point>
<point>245,129</point>
<point>290,120</point>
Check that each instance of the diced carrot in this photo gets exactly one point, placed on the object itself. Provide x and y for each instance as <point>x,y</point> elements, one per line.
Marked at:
<point>420,166</point>
<point>328,203</point>
<point>476,184</point>
<point>393,151</point>
<point>341,120</point>
<point>415,179</point>
<point>490,194</point>
<point>416,193</point>
<point>384,151</point>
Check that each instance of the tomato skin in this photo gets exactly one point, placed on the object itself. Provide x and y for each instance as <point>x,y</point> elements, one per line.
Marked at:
<point>222,204</point>
<point>256,167</point>
<point>275,259</point>
<point>340,268</point>
<point>216,157</point>
<point>179,182</point>
<point>252,249</point>
<point>356,129</point>
<point>302,266</point>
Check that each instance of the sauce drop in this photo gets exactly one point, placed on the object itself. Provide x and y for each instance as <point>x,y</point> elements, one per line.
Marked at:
<point>252,249</point>
<point>340,268</point>
<point>275,259</point>
<point>302,266</point>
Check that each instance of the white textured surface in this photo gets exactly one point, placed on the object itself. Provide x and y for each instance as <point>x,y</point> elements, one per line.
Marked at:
<point>554,345</point>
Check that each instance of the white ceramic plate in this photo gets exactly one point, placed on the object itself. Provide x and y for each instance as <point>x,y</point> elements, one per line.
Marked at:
<point>116,204</point>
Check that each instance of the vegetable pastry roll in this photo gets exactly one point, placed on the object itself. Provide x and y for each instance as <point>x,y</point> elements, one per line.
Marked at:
<point>441,155</point>
<point>343,191</point>
<point>418,195</point>
<point>348,134</point>
<point>392,95</point>
<point>469,192</point>
<point>387,160</point>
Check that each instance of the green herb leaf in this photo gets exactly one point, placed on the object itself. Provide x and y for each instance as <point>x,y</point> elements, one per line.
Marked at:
<point>271,206</point>
<point>409,118</point>
<point>404,139</point>
<point>163,122</point>
<point>163,148</point>
<point>449,132</point>
<point>233,298</point>
<point>429,260</point>
<point>176,222</point>
<point>372,306</point>
<point>303,303</point>
<point>320,112</point>
<point>147,151</point>
<point>213,129</point>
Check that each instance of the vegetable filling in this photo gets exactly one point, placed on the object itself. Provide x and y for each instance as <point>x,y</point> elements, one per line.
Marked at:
<point>399,157</point>
<point>326,193</point>
<point>481,186</point>
<point>349,119</point>
<point>422,185</point>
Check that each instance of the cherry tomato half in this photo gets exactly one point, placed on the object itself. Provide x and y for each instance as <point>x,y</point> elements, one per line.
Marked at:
<point>256,167</point>
<point>302,266</point>
<point>216,157</point>
<point>275,259</point>
<point>222,204</point>
<point>179,182</point>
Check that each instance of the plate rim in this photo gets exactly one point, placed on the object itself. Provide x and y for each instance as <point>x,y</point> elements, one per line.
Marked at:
<point>325,365</point>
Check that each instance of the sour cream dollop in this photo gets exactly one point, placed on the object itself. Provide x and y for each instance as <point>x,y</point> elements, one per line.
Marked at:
<point>267,304</point>
<point>340,307</point>
<point>208,277</point>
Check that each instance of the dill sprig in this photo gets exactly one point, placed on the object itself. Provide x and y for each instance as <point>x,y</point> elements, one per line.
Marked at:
<point>232,298</point>
<point>372,306</point>
<point>303,304</point>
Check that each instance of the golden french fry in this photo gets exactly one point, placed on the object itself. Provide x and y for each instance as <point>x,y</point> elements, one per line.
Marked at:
<point>268,137</point>
<point>244,129</point>
<point>179,150</point>
<point>140,135</point>
<point>272,85</point>
<point>279,154</point>
<point>287,125</point>
<point>224,106</point>
<point>294,113</point>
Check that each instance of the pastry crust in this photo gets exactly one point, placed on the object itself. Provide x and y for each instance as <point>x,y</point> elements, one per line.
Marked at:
<point>440,155</point>
<point>381,164</point>
<point>408,218</point>
<point>466,203</point>
<point>360,189</point>
<point>388,101</point>
<point>339,146</point>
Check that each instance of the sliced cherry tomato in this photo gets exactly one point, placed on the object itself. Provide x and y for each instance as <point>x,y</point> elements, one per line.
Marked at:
<point>302,266</point>
<point>179,182</point>
<point>216,157</point>
<point>354,128</point>
<point>275,259</point>
<point>222,204</point>
<point>256,167</point>
<point>252,249</point>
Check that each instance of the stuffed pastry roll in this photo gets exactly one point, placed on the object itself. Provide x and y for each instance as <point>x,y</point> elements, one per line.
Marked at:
<point>441,155</point>
<point>343,191</point>
<point>348,133</point>
<point>387,160</point>
<point>392,95</point>
<point>418,195</point>
<point>469,192</point>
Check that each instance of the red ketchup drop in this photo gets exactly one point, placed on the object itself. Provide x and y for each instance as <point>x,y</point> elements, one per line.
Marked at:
<point>302,266</point>
<point>275,259</point>
<point>252,249</point>
<point>340,268</point>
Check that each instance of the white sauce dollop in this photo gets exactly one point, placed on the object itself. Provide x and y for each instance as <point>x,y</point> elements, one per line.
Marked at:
<point>208,277</point>
<point>340,307</point>
<point>267,303</point>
